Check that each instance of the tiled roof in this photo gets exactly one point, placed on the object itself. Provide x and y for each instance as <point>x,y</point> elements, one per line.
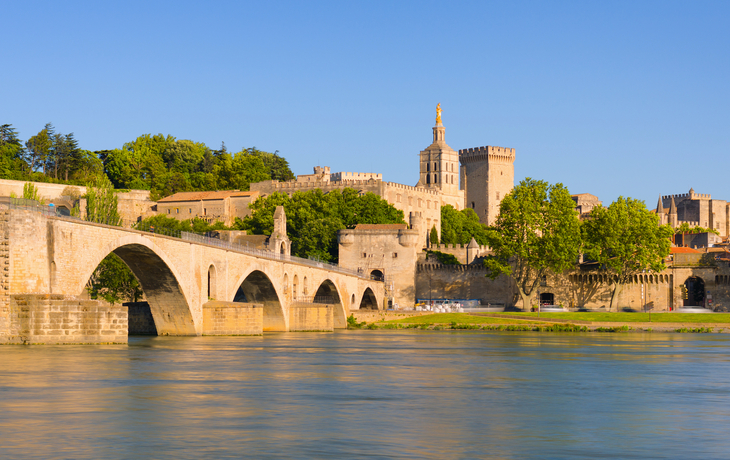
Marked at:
<point>683,250</point>
<point>198,196</point>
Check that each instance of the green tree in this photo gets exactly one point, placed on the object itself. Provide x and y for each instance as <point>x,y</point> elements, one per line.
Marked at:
<point>313,218</point>
<point>277,167</point>
<point>101,203</point>
<point>626,239</point>
<point>39,147</point>
<point>458,227</point>
<point>30,192</point>
<point>537,232</point>
<point>114,282</point>
<point>12,152</point>
<point>685,228</point>
<point>434,236</point>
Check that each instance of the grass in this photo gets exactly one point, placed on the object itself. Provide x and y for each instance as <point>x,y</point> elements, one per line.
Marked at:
<point>460,318</point>
<point>697,318</point>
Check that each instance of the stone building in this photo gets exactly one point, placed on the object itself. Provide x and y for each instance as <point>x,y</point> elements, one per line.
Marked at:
<point>478,178</point>
<point>387,252</point>
<point>223,206</point>
<point>585,202</point>
<point>696,209</point>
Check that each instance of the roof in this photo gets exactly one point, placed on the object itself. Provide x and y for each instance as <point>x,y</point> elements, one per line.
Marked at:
<point>683,250</point>
<point>204,196</point>
<point>381,227</point>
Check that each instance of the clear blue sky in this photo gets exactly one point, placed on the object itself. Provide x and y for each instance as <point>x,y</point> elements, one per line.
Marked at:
<point>610,98</point>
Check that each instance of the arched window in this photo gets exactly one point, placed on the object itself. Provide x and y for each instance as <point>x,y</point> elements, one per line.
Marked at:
<point>211,282</point>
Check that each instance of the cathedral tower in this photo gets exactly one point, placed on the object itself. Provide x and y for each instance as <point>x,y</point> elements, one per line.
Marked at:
<point>439,168</point>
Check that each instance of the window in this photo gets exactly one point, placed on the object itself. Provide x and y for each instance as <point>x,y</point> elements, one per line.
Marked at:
<point>428,178</point>
<point>395,255</point>
<point>177,210</point>
<point>472,205</point>
<point>498,195</point>
<point>190,210</point>
<point>168,211</point>
<point>428,167</point>
<point>364,255</point>
<point>435,167</point>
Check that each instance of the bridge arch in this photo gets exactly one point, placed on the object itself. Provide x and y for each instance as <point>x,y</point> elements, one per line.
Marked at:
<point>256,287</point>
<point>159,280</point>
<point>368,301</point>
<point>328,293</point>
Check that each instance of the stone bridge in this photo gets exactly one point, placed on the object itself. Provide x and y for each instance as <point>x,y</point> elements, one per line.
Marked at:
<point>48,255</point>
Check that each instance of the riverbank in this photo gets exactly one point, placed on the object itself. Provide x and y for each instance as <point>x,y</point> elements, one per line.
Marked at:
<point>547,322</point>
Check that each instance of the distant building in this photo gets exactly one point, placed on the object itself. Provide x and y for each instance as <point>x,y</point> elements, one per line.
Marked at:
<point>695,209</point>
<point>585,202</point>
<point>220,206</point>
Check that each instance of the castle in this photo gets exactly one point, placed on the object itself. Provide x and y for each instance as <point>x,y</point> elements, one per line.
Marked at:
<point>696,209</point>
<point>477,178</point>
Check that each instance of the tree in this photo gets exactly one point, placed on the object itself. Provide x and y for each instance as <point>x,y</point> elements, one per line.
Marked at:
<point>537,232</point>
<point>685,228</point>
<point>278,167</point>
<point>30,192</point>
<point>434,236</point>
<point>626,239</point>
<point>458,227</point>
<point>39,147</point>
<point>313,218</point>
<point>11,153</point>
<point>113,281</point>
<point>101,203</point>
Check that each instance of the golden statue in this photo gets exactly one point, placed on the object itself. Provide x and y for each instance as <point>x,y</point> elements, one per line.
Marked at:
<point>438,113</point>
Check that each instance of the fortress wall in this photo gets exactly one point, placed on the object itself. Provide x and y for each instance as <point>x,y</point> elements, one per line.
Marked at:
<point>417,200</point>
<point>462,282</point>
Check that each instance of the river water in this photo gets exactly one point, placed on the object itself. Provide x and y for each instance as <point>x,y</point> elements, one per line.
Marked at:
<point>371,394</point>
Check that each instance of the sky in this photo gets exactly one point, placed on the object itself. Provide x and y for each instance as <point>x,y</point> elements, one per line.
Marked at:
<point>611,98</point>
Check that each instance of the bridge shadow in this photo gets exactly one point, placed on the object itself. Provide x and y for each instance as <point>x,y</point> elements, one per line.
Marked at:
<point>368,302</point>
<point>257,288</point>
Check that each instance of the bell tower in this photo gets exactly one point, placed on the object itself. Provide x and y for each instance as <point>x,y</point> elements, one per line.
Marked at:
<point>439,166</point>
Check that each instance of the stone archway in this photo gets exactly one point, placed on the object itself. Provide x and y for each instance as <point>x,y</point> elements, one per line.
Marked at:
<point>212,293</point>
<point>368,301</point>
<point>695,292</point>
<point>258,288</point>
<point>327,294</point>
<point>168,305</point>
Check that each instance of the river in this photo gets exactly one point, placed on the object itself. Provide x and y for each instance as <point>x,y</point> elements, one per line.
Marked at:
<point>371,394</point>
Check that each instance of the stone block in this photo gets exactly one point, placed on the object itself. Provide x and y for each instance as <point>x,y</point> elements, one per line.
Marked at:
<point>306,317</point>
<point>232,318</point>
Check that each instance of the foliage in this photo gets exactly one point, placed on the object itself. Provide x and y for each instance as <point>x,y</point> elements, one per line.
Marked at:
<point>626,239</point>
<point>353,324</point>
<point>446,259</point>
<point>113,281</point>
<point>171,226</point>
<point>458,227</point>
<point>101,203</point>
<point>434,236</point>
<point>537,232</point>
<point>30,192</point>
<point>278,167</point>
<point>314,217</point>
<point>685,228</point>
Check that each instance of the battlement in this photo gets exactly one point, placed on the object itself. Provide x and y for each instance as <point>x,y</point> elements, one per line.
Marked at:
<point>292,185</point>
<point>434,192</point>
<point>687,196</point>
<point>339,176</point>
<point>488,152</point>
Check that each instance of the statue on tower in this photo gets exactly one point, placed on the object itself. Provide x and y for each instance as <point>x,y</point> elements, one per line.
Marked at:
<point>438,113</point>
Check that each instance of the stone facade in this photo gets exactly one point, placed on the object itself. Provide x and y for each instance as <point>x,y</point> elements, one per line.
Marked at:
<point>223,206</point>
<point>232,318</point>
<point>585,202</point>
<point>311,318</point>
<point>487,175</point>
<point>696,209</point>
<point>53,319</point>
<point>383,251</point>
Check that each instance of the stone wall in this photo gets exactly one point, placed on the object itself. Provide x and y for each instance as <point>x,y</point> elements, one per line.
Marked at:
<point>487,175</point>
<point>232,318</point>
<point>437,281</point>
<point>307,317</point>
<point>53,319</point>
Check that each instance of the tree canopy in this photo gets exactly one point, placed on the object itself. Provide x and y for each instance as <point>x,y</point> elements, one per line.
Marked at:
<point>625,239</point>
<point>458,227</point>
<point>537,232</point>
<point>314,217</point>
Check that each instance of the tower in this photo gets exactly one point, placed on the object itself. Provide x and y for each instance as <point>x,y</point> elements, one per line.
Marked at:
<point>487,175</point>
<point>439,167</point>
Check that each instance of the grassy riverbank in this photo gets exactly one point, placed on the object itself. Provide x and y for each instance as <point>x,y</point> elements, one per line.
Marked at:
<point>557,322</point>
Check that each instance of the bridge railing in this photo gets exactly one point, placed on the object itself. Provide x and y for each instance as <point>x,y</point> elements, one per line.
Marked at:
<point>194,237</point>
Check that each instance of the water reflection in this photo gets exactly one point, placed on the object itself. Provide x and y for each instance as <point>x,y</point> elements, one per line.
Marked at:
<point>383,394</point>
